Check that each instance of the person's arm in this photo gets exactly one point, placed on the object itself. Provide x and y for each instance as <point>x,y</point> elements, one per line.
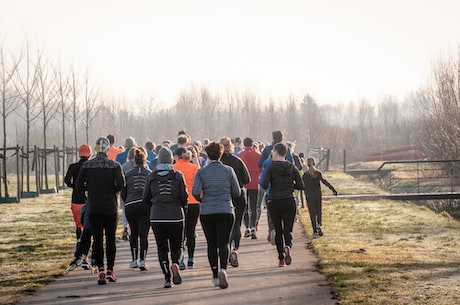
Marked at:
<point>326,183</point>
<point>235,186</point>
<point>68,178</point>
<point>197,186</point>
<point>298,180</point>
<point>263,157</point>
<point>146,195</point>
<point>183,190</point>
<point>119,181</point>
<point>266,178</point>
<point>245,177</point>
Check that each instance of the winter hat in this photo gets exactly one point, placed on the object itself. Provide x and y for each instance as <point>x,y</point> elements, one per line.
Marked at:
<point>84,151</point>
<point>102,145</point>
<point>165,156</point>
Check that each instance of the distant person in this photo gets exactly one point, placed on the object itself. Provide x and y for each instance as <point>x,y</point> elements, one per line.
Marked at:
<point>136,212</point>
<point>283,178</point>
<point>183,139</point>
<point>312,178</point>
<point>165,192</point>
<point>113,151</point>
<point>250,158</point>
<point>151,154</point>
<point>183,164</point>
<point>238,146</point>
<point>78,200</point>
<point>278,137</point>
<point>102,178</point>
<point>215,185</point>
<point>240,203</point>
<point>127,166</point>
<point>123,156</point>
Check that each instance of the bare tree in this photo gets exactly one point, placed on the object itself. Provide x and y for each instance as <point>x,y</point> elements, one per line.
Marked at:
<point>75,113</point>
<point>8,99</point>
<point>46,96</point>
<point>26,85</point>
<point>92,104</point>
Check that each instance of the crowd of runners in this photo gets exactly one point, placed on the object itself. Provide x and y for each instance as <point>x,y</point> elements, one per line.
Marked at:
<point>223,185</point>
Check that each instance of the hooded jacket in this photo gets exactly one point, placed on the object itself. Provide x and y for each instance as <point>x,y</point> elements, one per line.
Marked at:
<point>283,178</point>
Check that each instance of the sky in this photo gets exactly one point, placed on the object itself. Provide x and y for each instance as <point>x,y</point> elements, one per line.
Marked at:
<point>334,50</point>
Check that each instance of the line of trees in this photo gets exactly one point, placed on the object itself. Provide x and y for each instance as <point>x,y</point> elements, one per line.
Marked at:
<point>46,104</point>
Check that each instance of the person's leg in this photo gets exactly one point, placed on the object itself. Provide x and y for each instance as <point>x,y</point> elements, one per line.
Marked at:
<point>312,210</point>
<point>144,227</point>
<point>208,223</point>
<point>275,213</point>
<point>96,224</point>
<point>160,233</point>
<point>176,235</point>
<point>224,229</point>
<point>132,217</point>
<point>288,217</point>
<point>191,220</point>
<point>110,239</point>
<point>240,208</point>
<point>252,204</point>
<point>76,208</point>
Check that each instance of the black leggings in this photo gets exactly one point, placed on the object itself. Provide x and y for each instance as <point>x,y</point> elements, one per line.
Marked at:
<point>282,213</point>
<point>191,218</point>
<point>240,209</point>
<point>100,224</point>
<point>168,236</point>
<point>138,218</point>
<point>217,229</point>
<point>253,211</point>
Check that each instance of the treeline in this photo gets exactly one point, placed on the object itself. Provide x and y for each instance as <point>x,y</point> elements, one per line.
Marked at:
<point>44,103</point>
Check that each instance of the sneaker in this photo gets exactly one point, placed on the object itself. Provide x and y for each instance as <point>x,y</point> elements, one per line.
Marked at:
<point>71,267</point>
<point>182,264</point>
<point>134,264</point>
<point>281,263</point>
<point>142,266</point>
<point>176,278</point>
<point>247,233</point>
<point>223,279</point>
<point>253,233</point>
<point>111,276</point>
<point>167,283</point>
<point>101,280</point>
<point>215,281</point>
<point>287,255</point>
<point>234,259</point>
<point>272,237</point>
<point>190,263</point>
<point>125,234</point>
<point>315,235</point>
<point>86,264</point>
<point>320,231</point>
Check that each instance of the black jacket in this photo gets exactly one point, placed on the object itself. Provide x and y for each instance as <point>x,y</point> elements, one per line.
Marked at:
<point>103,179</point>
<point>239,167</point>
<point>135,181</point>
<point>282,177</point>
<point>166,194</point>
<point>70,180</point>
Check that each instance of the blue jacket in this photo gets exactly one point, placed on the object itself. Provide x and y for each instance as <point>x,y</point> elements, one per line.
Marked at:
<point>266,154</point>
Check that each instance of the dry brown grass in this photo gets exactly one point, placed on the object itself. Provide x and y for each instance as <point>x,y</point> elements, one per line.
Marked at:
<point>387,252</point>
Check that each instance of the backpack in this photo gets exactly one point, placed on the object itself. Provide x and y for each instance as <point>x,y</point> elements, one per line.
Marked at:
<point>162,187</point>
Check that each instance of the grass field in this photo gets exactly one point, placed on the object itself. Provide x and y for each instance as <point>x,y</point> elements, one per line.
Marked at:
<point>373,252</point>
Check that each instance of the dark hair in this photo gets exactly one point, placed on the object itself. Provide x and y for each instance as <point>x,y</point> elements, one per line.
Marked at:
<point>111,138</point>
<point>139,156</point>
<point>280,148</point>
<point>182,139</point>
<point>214,150</point>
<point>149,145</point>
<point>277,136</point>
<point>247,142</point>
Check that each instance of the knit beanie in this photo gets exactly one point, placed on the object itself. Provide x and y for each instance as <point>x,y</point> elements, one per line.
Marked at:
<point>165,156</point>
<point>84,151</point>
<point>102,145</point>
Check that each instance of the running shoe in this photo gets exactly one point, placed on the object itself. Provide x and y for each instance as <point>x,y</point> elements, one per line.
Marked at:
<point>190,263</point>
<point>253,233</point>
<point>102,280</point>
<point>234,258</point>
<point>125,235</point>
<point>176,278</point>
<point>85,264</point>
<point>287,255</point>
<point>281,263</point>
<point>111,276</point>
<point>134,264</point>
<point>315,235</point>
<point>320,231</point>
<point>215,281</point>
<point>71,267</point>
<point>182,264</point>
<point>223,279</point>
<point>142,266</point>
<point>272,237</point>
<point>247,233</point>
<point>167,283</point>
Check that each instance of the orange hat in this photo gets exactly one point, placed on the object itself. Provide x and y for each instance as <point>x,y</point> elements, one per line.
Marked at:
<point>84,151</point>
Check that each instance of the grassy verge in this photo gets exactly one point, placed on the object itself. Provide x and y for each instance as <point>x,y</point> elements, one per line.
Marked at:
<point>387,252</point>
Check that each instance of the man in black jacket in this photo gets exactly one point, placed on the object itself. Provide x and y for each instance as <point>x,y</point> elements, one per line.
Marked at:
<point>102,178</point>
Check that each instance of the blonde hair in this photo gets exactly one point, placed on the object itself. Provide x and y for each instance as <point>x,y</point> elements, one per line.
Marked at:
<point>229,148</point>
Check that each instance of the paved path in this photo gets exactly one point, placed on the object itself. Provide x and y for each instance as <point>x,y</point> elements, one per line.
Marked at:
<point>258,279</point>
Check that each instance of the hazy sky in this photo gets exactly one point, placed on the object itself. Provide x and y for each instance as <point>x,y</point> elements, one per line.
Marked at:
<point>334,50</point>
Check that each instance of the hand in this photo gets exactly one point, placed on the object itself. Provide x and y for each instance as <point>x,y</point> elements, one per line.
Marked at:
<point>335,192</point>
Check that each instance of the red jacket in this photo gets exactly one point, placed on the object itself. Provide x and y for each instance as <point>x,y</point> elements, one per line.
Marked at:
<point>250,158</point>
